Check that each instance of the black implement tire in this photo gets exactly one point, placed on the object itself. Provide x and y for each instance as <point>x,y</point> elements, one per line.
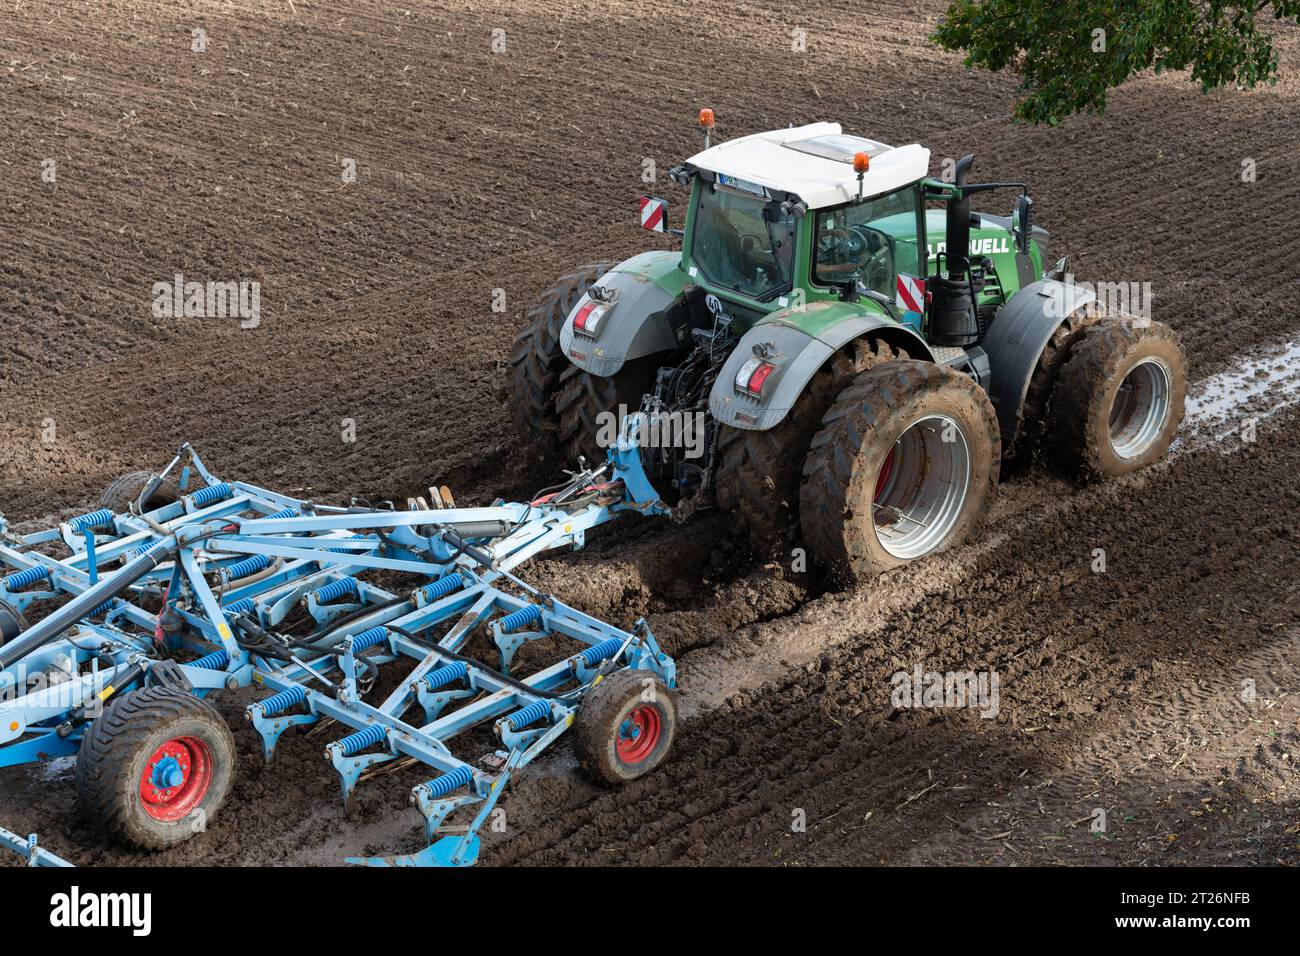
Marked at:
<point>121,494</point>
<point>759,471</point>
<point>583,397</point>
<point>12,623</point>
<point>122,744</point>
<point>620,734</point>
<point>881,446</point>
<point>536,362</point>
<point>1120,398</point>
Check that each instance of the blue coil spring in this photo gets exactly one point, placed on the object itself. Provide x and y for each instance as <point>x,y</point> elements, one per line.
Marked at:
<point>521,618</point>
<point>355,743</point>
<point>335,590</point>
<point>102,609</point>
<point>462,776</point>
<point>93,520</point>
<point>599,652</point>
<point>440,588</point>
<point>250,565</point>
<point>286,513</point>
<point>283,701</point>
<point>216,661</point>
<point>366,639</point>
<point>529,715</point>
<point>246,606</point>
<point>25,577</point>
<point>445,675</point>
<point>205,496</point>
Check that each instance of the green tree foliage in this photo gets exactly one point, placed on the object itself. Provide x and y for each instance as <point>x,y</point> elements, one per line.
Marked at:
<point>1069,53</point>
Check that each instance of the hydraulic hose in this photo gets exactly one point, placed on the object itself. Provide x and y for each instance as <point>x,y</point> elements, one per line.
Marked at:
<point>50,627</point>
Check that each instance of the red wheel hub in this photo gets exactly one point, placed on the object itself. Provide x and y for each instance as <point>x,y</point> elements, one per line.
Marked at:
<point>176,778</point>
<point>638,735</point>
<point>886,470</point>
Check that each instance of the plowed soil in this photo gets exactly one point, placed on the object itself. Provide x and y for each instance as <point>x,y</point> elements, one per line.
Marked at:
<point>1161,692</point>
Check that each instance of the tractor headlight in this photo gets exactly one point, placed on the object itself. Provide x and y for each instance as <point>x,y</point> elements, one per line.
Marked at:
<point>588,318</point>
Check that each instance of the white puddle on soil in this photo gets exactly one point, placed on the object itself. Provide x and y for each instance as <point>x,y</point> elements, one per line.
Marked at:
<point>1272,378</point>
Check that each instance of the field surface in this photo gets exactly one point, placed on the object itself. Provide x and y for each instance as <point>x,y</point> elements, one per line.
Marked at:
<point>478,171</point>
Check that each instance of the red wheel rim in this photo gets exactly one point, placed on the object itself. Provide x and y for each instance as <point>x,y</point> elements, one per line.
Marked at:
<point>176,778</point>
<point>638,735</point>
<point>886,470</point>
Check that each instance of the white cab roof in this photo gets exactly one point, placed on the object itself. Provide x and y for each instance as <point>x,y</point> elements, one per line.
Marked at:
<point>815,162</point>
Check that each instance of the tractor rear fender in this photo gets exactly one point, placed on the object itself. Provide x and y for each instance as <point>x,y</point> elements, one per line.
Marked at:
<point>635,322</point>
<point>797,355</point>
<point>1016,339</point>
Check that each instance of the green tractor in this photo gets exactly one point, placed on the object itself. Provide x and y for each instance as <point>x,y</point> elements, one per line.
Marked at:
<point>842,354</point>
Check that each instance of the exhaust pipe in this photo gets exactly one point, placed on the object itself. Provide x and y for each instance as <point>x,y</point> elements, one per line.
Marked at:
<point>958,225</point>
<point>951,319</point>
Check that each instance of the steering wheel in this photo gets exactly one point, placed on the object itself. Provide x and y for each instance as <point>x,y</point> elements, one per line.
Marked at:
<point>840,245</point>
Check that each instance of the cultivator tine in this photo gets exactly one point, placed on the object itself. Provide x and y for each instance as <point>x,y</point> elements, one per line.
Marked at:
<point>256,587</point>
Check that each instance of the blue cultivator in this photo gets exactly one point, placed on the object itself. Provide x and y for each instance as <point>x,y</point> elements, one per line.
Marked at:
<point>225,584</point>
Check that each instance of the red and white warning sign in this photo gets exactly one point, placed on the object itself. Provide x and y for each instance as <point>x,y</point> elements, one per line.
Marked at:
<point>911,293</point>
<point>654,214</point>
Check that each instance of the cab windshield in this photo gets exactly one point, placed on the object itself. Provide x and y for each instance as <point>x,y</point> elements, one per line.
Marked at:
<point>869,243</point>
<point>743,242</point>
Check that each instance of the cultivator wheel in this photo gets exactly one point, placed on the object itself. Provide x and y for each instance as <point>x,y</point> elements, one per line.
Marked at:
<point>759,471</point>
<point>536,360</point>
<point>626,726</point>
<point>584,397</point>
<point>1120,398</point>
<point>905,465</point>
<point>11,623</point>
<point>121,495</point>
<point>156,767</point>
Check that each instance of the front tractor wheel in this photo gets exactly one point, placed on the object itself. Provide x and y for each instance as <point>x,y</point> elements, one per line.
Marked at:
<point>625,726</point>
<point>905,465</point>
<point>1120,398</point>
<point>155,767</point>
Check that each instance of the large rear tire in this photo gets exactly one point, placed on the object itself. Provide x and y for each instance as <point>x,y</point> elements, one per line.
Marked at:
<point>536,361</point>
<point>905,465</point>
<point>156,767</point>
<point>759,471</point>
<point>1120,398</point>
<point>583,398</point>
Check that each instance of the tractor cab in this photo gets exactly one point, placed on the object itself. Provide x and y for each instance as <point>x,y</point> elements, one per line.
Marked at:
<point>803,214</point>
<point>784,219</point>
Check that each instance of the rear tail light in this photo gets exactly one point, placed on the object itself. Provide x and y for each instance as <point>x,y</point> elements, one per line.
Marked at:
<point>588,318</point>
<point>752,375</point>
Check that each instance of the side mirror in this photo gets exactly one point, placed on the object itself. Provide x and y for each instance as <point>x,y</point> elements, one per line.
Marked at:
<point>1022,226</point>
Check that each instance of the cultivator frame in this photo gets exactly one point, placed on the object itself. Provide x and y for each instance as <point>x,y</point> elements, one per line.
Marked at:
<point>201,587</point>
